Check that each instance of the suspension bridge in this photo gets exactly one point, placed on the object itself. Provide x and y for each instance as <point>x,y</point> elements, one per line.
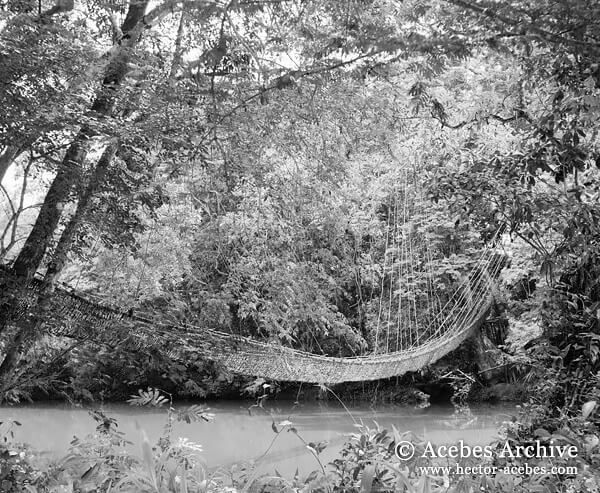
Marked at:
<point>414,327</point>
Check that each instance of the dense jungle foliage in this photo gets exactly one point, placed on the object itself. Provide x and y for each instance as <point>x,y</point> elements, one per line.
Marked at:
<point>237,165</point>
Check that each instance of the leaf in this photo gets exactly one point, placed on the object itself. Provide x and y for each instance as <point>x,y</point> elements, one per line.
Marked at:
<point>542,433</point>
<point>311,477</point>
<point>151,397</point>
<point>591,442</point>
<point>397,436</point>
<point>195,413</point>
<point>588,408</point>
<point>319,446</point>
<point>403,484</point>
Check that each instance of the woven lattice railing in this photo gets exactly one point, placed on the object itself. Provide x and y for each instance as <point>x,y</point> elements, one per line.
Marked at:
<point>70,314</point>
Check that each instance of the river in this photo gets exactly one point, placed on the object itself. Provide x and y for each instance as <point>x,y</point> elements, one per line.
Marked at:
<point>238,434</point>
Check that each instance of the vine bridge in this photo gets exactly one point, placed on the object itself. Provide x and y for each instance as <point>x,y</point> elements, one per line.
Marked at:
<point>415,325</point>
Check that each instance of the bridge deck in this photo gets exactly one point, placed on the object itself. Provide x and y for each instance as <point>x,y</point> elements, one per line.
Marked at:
<point>72,315</point>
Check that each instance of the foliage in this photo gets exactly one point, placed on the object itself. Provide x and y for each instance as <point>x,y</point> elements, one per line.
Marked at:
<point>45,70</point>
<point>538,422</point>
<point>260,158</point>
<point>103,462</point>
<point>16,466</point>
<point>150,397</point>
<point>89,372</point>
<point>366,463</point>
<point>206,116</point>
<point>544,186</point>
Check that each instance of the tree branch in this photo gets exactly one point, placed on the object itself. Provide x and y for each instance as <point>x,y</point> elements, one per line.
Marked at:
<point>525,27</point>
<point>178,51</point>
<point>285,81</point>
<point>61,6</point>
<point>519,115</point>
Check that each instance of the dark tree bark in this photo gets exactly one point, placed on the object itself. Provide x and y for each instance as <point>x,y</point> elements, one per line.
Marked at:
<point>13,355</point>
<point>59,257</point>
<point>29,326</point>
<point>31,255</point>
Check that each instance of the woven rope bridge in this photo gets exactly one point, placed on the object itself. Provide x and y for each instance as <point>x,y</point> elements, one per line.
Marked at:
<point>72,315</point>
<point>407,336</point>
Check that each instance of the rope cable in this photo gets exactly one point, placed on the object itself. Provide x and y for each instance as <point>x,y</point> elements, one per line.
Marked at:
<point>437,302</point>
<point>454,295</point>
<point>393,250</point>
<point>413,277</point>
<point>399,330</point>
<point>387,237</point>
<point>479,272</point>
<point>405,240</point>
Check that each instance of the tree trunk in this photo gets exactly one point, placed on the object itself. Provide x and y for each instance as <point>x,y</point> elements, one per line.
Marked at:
<point>28,330</point>
<point>13,355</point>
<point>489,358</point>
<point>59,256</point>
<point>178,52</point>
<point>31,255</point>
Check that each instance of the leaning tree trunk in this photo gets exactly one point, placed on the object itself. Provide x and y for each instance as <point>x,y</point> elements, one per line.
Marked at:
<point>59,257</point>
<point>33,251</point>
<point>33,320</point>
<point>31,255</point>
